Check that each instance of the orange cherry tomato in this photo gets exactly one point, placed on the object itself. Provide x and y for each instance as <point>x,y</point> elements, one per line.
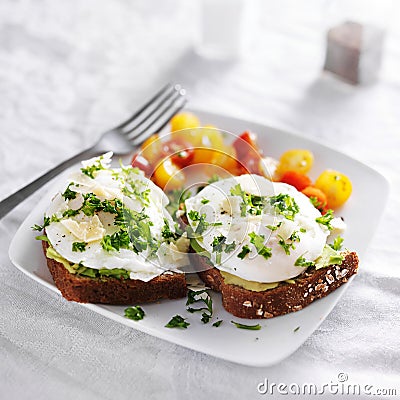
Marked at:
<point>226,159</point>
<point>168,176</point>
<point>317,196</point>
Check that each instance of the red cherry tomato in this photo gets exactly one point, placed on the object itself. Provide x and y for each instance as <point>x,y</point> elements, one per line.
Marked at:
<point>250,164</point>
<point>180,151</point>
<point>246,143</point>
<point>138,161</point>
<point>298,180</point>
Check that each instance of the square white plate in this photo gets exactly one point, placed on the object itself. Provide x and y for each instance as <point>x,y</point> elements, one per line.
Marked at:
<point>278,337</point>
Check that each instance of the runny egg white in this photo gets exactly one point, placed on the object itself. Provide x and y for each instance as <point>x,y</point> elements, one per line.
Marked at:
<point>287,236</point>
<point>136,193</point>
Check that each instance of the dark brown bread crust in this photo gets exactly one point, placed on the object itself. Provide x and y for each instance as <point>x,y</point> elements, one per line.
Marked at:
<point>285,298</point>
<point>115,291</point>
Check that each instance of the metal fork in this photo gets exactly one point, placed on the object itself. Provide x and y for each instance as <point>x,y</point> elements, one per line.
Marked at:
<point>123,139</point>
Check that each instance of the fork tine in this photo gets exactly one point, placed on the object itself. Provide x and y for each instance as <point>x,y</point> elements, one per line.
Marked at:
<point>159,123</point>
<point>167,101</point>
<point>139,112</point>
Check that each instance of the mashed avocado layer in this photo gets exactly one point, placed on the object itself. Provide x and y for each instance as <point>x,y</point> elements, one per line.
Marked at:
<point>80,269</point>
<point>230,279</point>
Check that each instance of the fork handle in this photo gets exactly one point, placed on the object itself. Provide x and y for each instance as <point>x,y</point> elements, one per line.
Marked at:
<point>12,201</point>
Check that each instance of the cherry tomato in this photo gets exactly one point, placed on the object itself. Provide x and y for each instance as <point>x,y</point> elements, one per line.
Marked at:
<point>336,186</point>
<point>138,161</point>
<point>251,163</point>
<point>180,152</point>
<point>226,159</point>
<point>152,149</point>
<point>246,143</point>
<point>184,120</point>
<point>296,160</point>
<point>168,176</point>
<point>210,139</point>
<point>296,179</point>
<point>318,196</point>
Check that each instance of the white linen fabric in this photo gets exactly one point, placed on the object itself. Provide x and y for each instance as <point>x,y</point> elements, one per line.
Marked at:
<point>70,70</point>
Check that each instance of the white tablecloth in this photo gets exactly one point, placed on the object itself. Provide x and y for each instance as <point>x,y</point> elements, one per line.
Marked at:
<point>68,71</point>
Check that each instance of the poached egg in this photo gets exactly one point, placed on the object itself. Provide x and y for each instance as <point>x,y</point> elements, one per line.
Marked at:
<point>256,229</point>
<point>89,214</point>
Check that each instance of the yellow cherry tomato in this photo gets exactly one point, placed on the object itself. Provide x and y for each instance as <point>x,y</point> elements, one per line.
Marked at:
<point>168,176</point>
<point>152,149</point>
<point>210,139</point>
<point>296,160</point>
<point>184,120</point>
<point>336,186</point>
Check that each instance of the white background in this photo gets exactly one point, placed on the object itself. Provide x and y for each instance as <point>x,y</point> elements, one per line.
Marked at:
<point>70,70</point>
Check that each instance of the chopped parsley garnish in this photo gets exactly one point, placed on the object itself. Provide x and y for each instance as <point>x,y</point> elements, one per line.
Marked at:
<point>142,195</point>
<point>258,241</point>
<point>296,329</point>
<point>177,322</point>
<point>218,243</point>
<point>286,246</point>
<point>42,237</point>
<point>249,327</point>
<point>205,201</point>
<point>46,222</point>
<point>69,194</point>
<point>303,230</point>
<point>79,246</point>
<point>337,243</point>
<point>176,198</point>
<point>118,240</point>
<point>196,296</point>
<point>245,250</point>
<point>229,247</point>
<point>274,227</point>
<point>254,202</point>
<point>217,246</point>
<point>136,313</point>
<point>91,169</point>
<point>289,244</point>
<point>202,225</point>
<point>217,323</point>
<point>194,215</point>
<point>214,178</point>
<point>91,204</point>
<point>166,232</point>
<point>302,262</point>
<point>316,203</point>
<point>326,219</point>
<point>284,205</point>
<point>70,213</point>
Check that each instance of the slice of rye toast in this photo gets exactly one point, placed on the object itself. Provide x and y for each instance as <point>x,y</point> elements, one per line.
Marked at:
<point>109,290</point>
<point>311,285</point>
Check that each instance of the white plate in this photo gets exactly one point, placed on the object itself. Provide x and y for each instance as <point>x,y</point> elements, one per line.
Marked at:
<point>278,337</point>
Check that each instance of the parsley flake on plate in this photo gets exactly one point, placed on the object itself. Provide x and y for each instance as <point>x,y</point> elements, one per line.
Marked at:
<point>248,327</point>
<point>136,313</point>
<point>177,322</point>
